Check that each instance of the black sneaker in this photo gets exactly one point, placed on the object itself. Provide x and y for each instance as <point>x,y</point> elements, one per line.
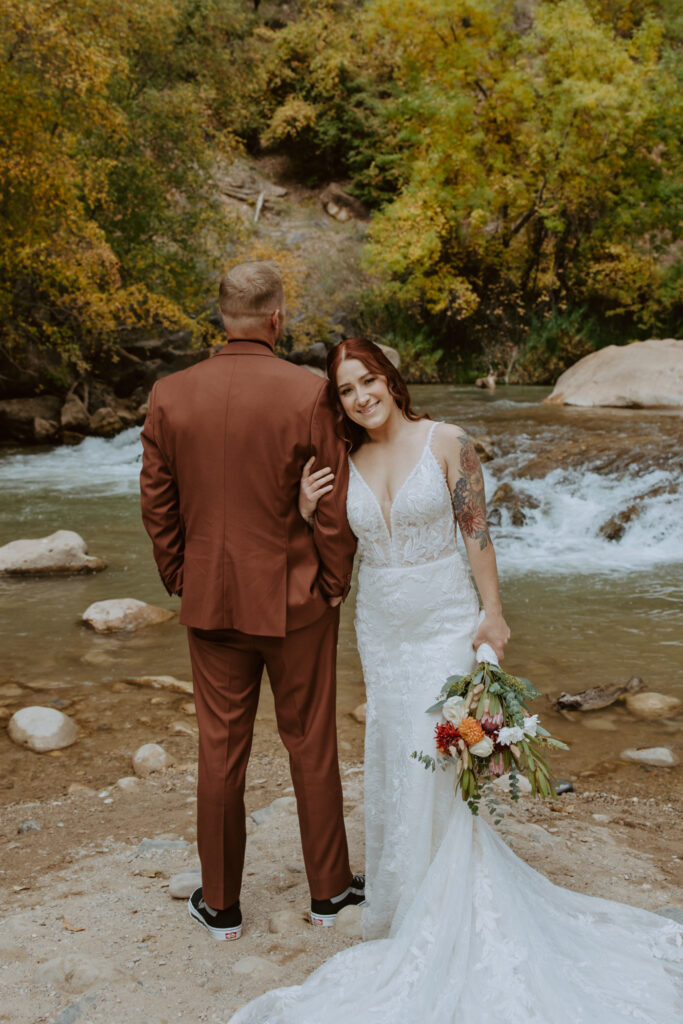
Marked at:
<point>325,911</point>
<point>221,924</point>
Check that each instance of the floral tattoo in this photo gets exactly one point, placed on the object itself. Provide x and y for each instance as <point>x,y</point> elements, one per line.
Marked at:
<point>469,502</point>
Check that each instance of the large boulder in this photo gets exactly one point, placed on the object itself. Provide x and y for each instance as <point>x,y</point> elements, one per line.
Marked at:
<point>124,613</point>
<point>645,374</point>
<point>63,551</point>
<point>41,729</point>
<point>105,422</point>
<point>45,431</point>
<point>18,417</point>
<point>74,415</point>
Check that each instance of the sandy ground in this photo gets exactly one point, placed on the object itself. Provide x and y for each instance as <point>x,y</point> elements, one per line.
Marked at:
<point>90,932</point>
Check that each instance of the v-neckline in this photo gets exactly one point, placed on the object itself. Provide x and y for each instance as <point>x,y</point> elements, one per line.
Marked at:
<point>388,525</point>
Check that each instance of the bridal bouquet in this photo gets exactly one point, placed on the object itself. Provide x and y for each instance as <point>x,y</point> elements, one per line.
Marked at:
<point>486,731</point>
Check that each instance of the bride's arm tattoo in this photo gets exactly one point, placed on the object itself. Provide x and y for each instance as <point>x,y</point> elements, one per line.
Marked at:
<point>469,502</point>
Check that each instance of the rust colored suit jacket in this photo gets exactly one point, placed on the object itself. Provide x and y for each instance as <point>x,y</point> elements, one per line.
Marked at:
<point>224,444</point>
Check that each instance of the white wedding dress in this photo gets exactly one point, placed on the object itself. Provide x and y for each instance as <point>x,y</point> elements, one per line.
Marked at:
<point>460,930</point>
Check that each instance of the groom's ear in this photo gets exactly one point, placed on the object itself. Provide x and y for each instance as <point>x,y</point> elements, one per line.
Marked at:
<point>277,321</point>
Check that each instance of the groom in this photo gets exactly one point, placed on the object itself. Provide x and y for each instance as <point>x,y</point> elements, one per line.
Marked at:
<point>224,444</point>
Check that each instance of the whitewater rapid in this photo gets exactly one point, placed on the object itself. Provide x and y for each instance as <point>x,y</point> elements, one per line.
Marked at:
<point>560,536</point>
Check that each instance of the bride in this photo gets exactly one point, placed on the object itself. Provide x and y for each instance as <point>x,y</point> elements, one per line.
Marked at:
<point>460,930</point>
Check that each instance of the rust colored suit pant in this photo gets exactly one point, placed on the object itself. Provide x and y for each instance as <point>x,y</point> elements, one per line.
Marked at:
<point>227,666</point>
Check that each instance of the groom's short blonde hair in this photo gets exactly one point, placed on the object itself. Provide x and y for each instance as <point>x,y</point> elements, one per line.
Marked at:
<point>251,289</point>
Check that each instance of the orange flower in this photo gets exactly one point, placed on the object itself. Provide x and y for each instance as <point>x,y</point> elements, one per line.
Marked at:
<point>471,731</point>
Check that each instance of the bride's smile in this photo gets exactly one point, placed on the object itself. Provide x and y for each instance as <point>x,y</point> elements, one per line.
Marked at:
<point>364,396</point>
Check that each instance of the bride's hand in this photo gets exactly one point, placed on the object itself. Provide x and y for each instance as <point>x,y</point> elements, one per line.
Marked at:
<point>312,487</point>
<point>494,631</point>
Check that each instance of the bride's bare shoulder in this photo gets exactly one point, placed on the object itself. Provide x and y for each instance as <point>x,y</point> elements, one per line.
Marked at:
<point>449,435</point>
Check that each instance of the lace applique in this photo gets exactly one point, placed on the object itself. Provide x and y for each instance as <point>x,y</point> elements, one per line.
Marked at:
<point>421,516</point>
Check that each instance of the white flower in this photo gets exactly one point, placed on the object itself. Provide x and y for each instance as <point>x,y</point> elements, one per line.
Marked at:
<point>454,710</point>
<point>483,748</point>
<point>510,734</point>
<point>530,725</point>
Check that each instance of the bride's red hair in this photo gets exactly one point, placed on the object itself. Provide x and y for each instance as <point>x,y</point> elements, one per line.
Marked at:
<point>375,361</point>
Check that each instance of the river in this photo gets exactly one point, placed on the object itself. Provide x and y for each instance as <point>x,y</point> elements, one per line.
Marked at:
<point>583,610</point>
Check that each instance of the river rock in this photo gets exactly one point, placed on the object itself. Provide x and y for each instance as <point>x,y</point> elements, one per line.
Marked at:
<point>644,374</point>
<point>281,805</point>
<point>42,729</point>
<point>284,922</point>
<point>150,757</point>
<point>258,968</point>
<point>18,416</point>
<point>105,422</point>
<point>483,446</point>
<point>284,805</point>
<point>124,613</point>
<point>28,826</point>
<point>183,885</point>
<point>615,527</point>
<point>162,683</point>
<point>61,552</point>
<point>488,382</point>
<point>348,922</point>
<point>74,415</point>
<point>182,728</point>
<point>261,815</point>
<point>8,691</point>
<point>80,789</point>
<point>514,502</point>
<point>162,845</point>
<point>75,972</point>
<point>360,713</point>
<point>523,784</point>
<point>652,705</point>
<point>45,431</point>
<point>128,783</point>
<point>656,757</point>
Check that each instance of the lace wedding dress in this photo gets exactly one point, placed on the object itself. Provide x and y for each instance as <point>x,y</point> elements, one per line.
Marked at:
<point>460,930</point>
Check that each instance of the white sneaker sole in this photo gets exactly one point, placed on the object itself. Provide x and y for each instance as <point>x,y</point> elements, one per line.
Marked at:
<point>219,934</point>
<point>327,920</point>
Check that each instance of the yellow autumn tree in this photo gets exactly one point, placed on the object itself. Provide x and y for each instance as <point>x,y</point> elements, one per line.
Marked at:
<point>111,121</point>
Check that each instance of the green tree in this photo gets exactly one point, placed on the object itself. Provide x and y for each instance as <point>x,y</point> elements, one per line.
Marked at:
<point>539,174</point>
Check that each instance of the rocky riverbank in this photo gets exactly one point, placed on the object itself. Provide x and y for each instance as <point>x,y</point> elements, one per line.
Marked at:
<point>92,931</point>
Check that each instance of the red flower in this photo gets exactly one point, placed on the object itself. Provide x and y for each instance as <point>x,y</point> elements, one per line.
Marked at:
<point>446,736</point>
<point>496,764</point>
